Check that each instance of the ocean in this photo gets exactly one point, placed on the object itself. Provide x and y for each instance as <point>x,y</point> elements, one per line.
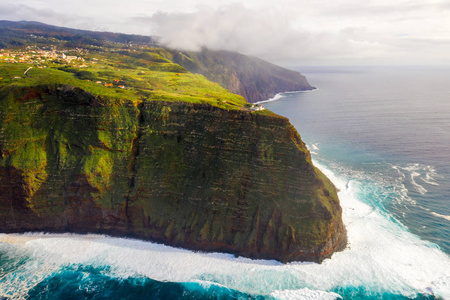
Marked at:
<point>381,134</point>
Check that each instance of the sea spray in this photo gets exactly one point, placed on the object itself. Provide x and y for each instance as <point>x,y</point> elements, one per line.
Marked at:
<point>391,259</point>
<point>279,96</point>
<point>382,258</point>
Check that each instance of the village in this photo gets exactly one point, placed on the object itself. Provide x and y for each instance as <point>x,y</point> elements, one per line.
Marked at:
<point>35,55</point>
<point>43,58</point>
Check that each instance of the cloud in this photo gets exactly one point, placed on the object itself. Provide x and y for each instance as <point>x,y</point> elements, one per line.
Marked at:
<point>364,9</point>
<point>284,31</point>
<point>25,12</point>
<point>19,12</point>
<point>267,33</point>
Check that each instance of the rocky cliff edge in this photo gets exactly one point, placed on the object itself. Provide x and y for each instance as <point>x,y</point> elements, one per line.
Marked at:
<point>185,174</point>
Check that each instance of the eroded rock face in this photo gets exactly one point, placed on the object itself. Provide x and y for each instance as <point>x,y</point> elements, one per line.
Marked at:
<point>188,175</point>
<point>251,77</point>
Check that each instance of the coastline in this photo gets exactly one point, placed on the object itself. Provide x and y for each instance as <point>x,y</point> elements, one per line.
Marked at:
<point>279,96</point>
<point>181,266</point>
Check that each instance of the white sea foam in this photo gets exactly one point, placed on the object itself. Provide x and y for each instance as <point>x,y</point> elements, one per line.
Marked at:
<point>305,294</point>
<point>426,174</point>
<point>315,146</point>
<point>441,216</point>
<point>430,176</point>
<point>411,173</point>
<point>274,98</point>
<point>381,256</point>
<point>207,284</point>
<point>385,239</point>
<point>281,95</point>
<point>418,187</point>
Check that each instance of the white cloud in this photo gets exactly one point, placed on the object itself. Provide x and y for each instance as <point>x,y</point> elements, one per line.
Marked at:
<point>271,34</point>
<point>289,31</point>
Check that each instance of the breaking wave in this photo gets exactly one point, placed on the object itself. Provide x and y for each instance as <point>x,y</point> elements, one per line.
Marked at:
<point>282,95</point>
<point>383,259</point>
<point>426,174</point>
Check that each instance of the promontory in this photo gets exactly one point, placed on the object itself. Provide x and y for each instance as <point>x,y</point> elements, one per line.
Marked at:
<point>124,141</point>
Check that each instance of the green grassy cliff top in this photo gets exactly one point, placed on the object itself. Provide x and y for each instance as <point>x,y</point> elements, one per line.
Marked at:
<point>115,75</point>
<point>124,141</point>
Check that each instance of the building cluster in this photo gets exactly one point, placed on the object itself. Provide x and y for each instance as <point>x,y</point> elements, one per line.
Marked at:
<point>257,107</point>
<point>116,83</point>
<point>40,56</point>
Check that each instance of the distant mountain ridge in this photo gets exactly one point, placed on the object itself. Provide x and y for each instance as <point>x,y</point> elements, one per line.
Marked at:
<point>14,34</point>
<point>250,77</point>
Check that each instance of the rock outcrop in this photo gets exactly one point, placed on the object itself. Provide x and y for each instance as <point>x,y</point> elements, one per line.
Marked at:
<point>185,174</point>
<point>250,77</point>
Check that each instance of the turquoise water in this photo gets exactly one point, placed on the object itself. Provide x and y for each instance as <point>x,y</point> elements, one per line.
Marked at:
<point>389,124</point>
<point>381,135</point>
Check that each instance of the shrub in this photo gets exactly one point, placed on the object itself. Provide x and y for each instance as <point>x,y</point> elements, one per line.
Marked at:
<point>85,75</point>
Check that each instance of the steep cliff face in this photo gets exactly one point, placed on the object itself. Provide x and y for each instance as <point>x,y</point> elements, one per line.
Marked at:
<point>250,77</point>
<point>190,175</point>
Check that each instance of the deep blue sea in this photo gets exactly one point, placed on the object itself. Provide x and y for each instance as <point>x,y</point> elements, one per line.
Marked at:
<point>382,135</point>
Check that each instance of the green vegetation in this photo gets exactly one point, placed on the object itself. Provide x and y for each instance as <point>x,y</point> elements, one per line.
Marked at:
<point>250,77</point>
<point>124,141</point>
<point>24,33</point>
<point>136,75</point>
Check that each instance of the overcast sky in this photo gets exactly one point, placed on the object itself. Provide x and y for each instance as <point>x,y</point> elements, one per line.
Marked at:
<point>289,32</point>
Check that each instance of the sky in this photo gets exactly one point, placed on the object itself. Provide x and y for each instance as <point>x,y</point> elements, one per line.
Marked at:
<point>287,32</point>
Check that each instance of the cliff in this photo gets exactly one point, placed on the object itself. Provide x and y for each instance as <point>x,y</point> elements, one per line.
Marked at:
<point>250,77</point>
<point>201,175</point>
<point>253,78</point>
<point>124,141</point>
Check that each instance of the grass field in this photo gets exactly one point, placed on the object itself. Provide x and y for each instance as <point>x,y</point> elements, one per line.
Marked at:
<point>147,74</point>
